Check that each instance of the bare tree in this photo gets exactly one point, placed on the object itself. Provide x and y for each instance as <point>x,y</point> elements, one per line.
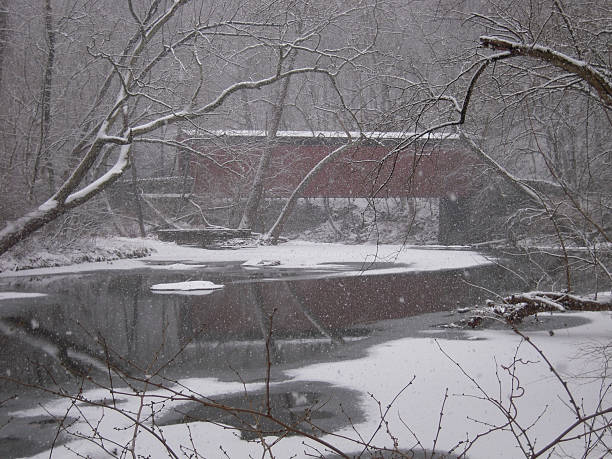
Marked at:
<point>550,69</point>
<point>513,79</point>
<point>45,102</point>
<point>168,68</point>
<point>256,192</point>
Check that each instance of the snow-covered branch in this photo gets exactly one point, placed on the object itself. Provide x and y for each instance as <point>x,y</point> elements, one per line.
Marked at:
<point>588,73</point>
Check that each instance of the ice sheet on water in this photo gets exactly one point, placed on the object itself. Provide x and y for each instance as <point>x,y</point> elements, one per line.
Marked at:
<point>185,292</point>
<point>16,295</point>
<point>187,286</point>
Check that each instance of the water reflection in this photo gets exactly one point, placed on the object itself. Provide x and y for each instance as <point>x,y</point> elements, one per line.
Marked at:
<point>73,357</point>
<point>87,319</point>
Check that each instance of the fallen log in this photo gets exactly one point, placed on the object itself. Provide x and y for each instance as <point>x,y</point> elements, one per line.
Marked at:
<point>514,308</point>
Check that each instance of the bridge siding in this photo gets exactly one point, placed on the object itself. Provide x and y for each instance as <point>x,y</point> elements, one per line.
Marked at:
<point>439,173</point>
<point>430,170</point>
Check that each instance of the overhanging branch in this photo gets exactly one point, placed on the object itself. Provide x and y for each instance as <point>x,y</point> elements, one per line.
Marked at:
<point>588,73</point>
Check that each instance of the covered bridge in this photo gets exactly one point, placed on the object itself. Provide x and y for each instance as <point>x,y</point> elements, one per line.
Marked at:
<point>222,164</point>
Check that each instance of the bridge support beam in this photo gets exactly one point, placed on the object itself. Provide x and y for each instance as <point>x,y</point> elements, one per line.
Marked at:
<point>456,225</point>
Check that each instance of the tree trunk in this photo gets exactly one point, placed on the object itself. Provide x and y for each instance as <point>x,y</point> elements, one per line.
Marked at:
<point>141,225</point>
<point>254,199</point>
<point>45,122</point>
<point>330,217</point>
<point>595,78</point>
<point>64,199</point>
<point>113,216</point>
<point>4,32</point>
<point>273,234</point>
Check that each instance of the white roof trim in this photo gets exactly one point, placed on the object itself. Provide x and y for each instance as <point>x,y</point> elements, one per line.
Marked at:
<point>327,134</point>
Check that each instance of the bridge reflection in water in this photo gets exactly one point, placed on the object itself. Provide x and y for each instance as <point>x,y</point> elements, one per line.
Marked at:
<point>86,318</point>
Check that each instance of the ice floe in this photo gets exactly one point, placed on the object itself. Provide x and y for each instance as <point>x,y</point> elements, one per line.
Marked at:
<point>17,295</point>
<point>187,286</point>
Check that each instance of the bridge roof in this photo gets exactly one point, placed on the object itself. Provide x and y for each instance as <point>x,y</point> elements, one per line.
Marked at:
<point>331,135</point>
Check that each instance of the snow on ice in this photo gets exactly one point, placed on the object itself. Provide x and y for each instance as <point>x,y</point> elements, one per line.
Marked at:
<point>435,364</point>
<point>187,286</point>
<point>17,295</point>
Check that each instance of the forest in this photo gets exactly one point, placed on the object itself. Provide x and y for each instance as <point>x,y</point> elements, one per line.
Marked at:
<point>422,194</point>
<point>91,91</point>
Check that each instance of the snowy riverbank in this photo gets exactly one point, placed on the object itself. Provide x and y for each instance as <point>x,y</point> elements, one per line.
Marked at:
<point>35,254</point>
<point>376,259</point>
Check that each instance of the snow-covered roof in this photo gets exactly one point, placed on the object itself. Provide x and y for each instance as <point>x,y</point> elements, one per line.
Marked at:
<point>374,135</point>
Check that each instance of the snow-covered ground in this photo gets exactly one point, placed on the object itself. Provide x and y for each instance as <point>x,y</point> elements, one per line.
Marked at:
<point>497,360</point>
<point>541,399</point>
<point>36,253</point>
<point>293,254</point>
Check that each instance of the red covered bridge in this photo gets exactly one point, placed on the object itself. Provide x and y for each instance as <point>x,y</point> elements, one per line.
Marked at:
<point>222,164</point>
<point>433,166</point>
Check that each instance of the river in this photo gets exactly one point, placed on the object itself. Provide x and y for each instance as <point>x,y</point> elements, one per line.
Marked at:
<point>88,323</point>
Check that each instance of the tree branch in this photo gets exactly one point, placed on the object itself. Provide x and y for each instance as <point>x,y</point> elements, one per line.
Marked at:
<point>593,77</point>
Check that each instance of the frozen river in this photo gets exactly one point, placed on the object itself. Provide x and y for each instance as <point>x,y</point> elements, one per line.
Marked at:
<point>105,324</point>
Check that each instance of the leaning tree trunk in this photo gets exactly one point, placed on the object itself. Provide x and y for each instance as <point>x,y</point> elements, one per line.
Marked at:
<point>66,198</point>
<point>274,233</point>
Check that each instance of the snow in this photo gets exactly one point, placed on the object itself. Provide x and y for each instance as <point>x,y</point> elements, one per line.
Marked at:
<point>482,357</point>
<point>292,255</point>
<point>177,266</point>
<point>603,297</point>
<point>375,135</point>
<point>390,366</point>
<point>256,262</point>
<point>48,205</point>
<point>187,286</point>
<point>302,254</point>
<point>185,292</point>
<point>116,170</point>
<point>381,375</point>
<point>37,252</point>
<point>382,372</point>
<point>17,295</point>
